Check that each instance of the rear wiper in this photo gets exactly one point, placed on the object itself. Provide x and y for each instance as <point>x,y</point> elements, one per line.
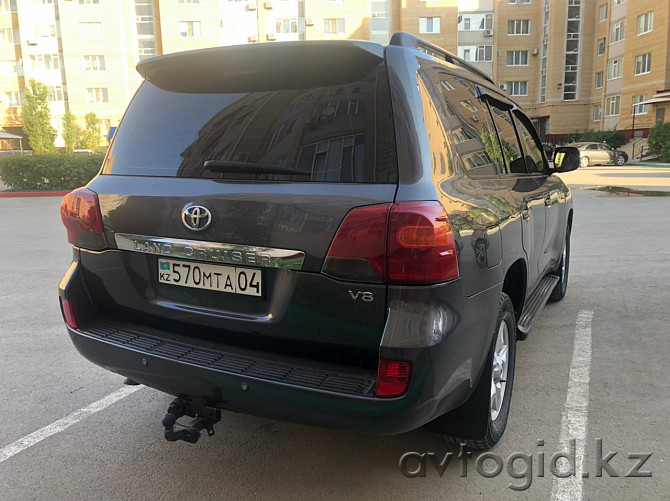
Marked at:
<point>250,167</point>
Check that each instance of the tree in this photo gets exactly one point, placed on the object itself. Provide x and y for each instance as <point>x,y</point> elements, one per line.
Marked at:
<point>37,117</point>
<point>659,141</point>
<point>70,131</point>
<point>91,135</point>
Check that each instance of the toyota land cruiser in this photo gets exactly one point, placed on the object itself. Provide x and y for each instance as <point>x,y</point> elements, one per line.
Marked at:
<point>333,233</point>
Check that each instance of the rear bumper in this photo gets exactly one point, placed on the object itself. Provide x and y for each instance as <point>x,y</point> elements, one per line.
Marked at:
<point>445,368</point>
<point>229,379</point>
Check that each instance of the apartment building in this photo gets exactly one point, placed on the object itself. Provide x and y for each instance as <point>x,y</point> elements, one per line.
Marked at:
<point>581,65</point>
<point>85,51</point>
<point>574,64</point>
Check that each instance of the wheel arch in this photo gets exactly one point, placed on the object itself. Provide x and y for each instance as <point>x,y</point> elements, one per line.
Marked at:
<point>514,285</point>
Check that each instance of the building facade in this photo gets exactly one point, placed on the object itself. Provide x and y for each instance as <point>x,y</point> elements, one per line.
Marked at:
<point>574,65</point>
<point>580,65</point>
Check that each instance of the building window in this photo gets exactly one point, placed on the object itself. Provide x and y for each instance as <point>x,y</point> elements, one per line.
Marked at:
<point>189,1</point>
<point>475,22</point>
<point>56,94</point>
<point>90,31</point>
<point>484,53</point>
<point>13,99</point>
<point>517,58</point>
<point>603,12</point>
<point>105,125</point>
<point>643,64</point>
<point>599,80</point>
<point>617,2</point>
<point>518,27</point>
<point>519,1</point>
<point>333,26</point>
<point>286,25</point>
<point>189,29</point>
<point>645,23</point>
<point>429,25</point>
<point>597,113</point>
<point>96,95</point>
<point>94,63</point>
<point>612,106</point>
<point>517,88</point>
<point>602,42</point>
<point>614,68</point>
<point>481,53</point>
<point>617,32</point>
<point>640,109</point>
<point>89,2</point>
<point>45,61</point>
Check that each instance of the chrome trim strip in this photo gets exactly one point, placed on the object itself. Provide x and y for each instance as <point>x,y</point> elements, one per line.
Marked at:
<point>264,257</point>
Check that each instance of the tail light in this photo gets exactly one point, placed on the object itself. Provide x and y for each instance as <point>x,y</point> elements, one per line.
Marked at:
<point>68,313</point>
<point>421,247</point>
<point>405,242</point>
<point>393,377</point>
<point>80,213</point>
<point>358,251</point>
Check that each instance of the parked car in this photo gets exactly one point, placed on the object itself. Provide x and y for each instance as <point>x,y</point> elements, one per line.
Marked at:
<point>333,233</point>
<point>599,154</point>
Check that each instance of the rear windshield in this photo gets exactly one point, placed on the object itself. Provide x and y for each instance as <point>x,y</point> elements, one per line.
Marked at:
<point>338,134</point>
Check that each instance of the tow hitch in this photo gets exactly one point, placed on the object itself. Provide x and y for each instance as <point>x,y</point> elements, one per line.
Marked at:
<point>204,419</point>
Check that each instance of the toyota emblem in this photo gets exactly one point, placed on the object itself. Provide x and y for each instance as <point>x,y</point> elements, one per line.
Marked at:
<point>196,217</point>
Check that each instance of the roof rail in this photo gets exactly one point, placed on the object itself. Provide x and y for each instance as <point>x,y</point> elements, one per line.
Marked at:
<point>403,39</point>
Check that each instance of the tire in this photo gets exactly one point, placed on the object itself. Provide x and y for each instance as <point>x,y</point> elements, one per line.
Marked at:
<point>620,160</point>
<point>584,162</point>
<point>563,271</point>
<point>475,423</point>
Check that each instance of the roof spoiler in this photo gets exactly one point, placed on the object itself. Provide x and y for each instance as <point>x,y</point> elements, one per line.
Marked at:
<point>260,67</point>
<point>403,39</point>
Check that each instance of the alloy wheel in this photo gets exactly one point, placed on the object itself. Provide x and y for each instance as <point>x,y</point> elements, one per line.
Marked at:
<point>499,372</point>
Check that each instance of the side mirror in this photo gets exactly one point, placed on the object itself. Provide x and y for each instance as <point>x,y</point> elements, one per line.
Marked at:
<point>566,159</point>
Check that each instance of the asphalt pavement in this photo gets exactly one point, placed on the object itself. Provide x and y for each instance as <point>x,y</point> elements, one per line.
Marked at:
<point>619,271</point>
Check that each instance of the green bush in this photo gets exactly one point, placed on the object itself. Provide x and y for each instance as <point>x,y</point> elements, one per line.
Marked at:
<point>53,171</point>
<point>659,141</point>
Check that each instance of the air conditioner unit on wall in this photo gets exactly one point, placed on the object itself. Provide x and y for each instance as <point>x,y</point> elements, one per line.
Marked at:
<point>253,38</point>
<point>267,5</point>
<point>536,52</point>
<point>271,36</point>
<point>488,33</point>
<point>309,22</point>
<point>503,87</point>
<point>251,6</point>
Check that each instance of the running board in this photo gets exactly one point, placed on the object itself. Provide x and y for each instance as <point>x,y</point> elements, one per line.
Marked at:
<point>535,304</point>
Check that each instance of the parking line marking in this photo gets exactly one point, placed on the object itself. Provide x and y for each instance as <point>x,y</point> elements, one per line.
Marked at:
<point>576,413</point>
<point>62,424</point>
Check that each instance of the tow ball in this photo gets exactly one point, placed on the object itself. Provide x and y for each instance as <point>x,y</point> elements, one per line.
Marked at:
<point>204,419</point>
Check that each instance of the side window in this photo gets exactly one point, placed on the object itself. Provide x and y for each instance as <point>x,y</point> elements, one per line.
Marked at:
<point>469,125</point>
<point>592,147</point>
<point>511,152</point>
<point>532,148</point>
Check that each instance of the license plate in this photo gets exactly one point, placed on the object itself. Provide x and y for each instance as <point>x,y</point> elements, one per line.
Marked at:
<point>211,277</point>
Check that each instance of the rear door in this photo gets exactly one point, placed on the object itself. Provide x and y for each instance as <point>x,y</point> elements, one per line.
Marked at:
<point>551,187</point>
<point>252,185</point>
<point>526,189</point>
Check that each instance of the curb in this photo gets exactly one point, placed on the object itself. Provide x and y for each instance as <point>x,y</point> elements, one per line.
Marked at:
<point>657,165</point>
<point>26,194</point>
